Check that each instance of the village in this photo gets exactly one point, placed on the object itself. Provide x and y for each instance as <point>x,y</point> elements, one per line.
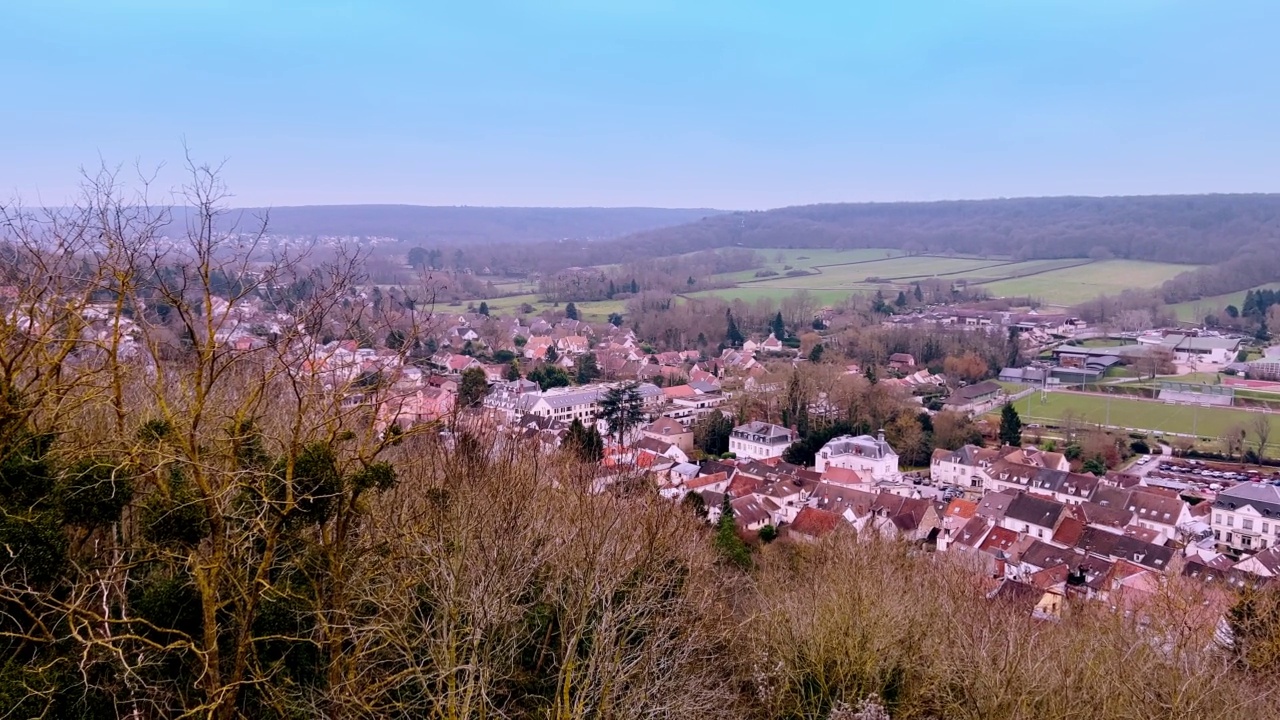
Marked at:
<point>1031,525</point>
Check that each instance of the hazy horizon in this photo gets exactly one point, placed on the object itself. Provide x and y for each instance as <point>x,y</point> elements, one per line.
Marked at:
<point>743,106</point>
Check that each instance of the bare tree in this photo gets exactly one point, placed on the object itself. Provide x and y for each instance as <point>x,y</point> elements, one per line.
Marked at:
<point>1261,426</point>
<point>1232,441</point>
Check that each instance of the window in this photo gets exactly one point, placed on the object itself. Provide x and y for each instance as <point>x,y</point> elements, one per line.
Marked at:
<point>1246,523</point>
<point>1217,518</point>
<point>1265,529</point>
<point>1231,521</point>
<point>1246,540</point>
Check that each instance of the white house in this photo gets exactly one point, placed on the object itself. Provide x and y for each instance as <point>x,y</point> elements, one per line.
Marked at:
<point>760,440</point>
<point>966,467</point>
<point>1246,518</point>
<point>1263,564</point>
<point>868,455</point>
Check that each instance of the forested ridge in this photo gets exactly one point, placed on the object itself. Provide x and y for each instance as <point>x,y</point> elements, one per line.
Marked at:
<point>1235,238</point>
<point>1194,229</point>
<point>460,225</point>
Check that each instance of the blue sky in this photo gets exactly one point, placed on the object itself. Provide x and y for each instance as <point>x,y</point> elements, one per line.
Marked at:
<point>738,104</point>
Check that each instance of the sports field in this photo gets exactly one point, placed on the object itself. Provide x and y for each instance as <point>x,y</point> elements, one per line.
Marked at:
<point>1146,415</point>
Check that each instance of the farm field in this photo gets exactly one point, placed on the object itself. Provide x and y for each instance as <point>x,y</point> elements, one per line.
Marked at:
<point>510,305</point>
<point>1056,282</point>
<point>752,293</point>
<point>901,270</point>
<point>1071,286</point>
<point>1153,416</point>
<point>1195,310</point>
<point>836,274</point>
<point>779,259</point>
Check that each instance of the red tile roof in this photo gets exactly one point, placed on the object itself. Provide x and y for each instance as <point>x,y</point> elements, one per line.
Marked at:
<point>815,523</point>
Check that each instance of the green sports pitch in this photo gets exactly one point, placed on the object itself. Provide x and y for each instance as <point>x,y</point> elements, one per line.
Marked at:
<point>1145,415</point>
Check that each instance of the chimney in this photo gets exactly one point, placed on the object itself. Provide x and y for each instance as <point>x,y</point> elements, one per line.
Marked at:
<point>880,436</point>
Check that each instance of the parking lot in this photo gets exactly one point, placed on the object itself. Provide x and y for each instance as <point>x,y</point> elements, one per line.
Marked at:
<point>1206,475</point>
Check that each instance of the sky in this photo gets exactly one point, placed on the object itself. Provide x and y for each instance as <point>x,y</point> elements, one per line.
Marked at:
<point>740,104</point>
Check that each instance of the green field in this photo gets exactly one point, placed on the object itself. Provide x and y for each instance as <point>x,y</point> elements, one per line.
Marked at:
<point>752,293</point>
<point>833,275</point>
<point>1056,282</point>
<point>1195,310</point>
<point>510,305</point>
<point>1072,286</point>
<point>1145,415</point>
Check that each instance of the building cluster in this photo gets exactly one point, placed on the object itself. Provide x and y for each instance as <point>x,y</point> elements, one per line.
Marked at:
<point>1035,327</point>
<point>1020,517</point>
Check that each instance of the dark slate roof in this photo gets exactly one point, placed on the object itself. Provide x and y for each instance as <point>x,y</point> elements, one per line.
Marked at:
<point>1033,510</point>
<point>1263,497</point>
<point>1108,544</point>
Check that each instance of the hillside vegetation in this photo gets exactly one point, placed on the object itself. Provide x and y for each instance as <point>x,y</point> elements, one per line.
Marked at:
<point>1193,229</point>
<point>462,225</point>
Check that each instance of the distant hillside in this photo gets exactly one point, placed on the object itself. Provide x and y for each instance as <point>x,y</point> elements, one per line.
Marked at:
<point>471,225</point>
<point>1198,229</point>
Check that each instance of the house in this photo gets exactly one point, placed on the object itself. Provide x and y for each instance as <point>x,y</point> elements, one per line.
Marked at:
<point>1263,564</point>
<point>902,362</point>
<point>667,430</point>
<point>1032,516</point>
<point>1149,509</point>
<point>565,404</point>
<point>454,364</point>
<point>536,347</point>
<point>1099,542</point>
<point>955,516</point>
<point>846,477</point>
<point>1062,486</point>
<point>771,344</point>
<point>573,345</point>
<point>965,468</point>
<point>914,519</point>
<point>993,505</point>
<point>853,505</point>
<point>789,496</point>
<point>1031,456</point>
<point>1246,518</point>
<point>505,397</point>
<point>811,524</point>
<point>424,405</point>
<point>754,512</point>
<point>973,398</point>
<point>1114,518</point>
<point>870,456</point>
<point>547,434</point>
<point>660,448</point>
<point>758,440</point>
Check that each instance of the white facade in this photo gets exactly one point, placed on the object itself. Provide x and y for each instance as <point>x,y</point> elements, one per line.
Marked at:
<point>1246,518</point>
<point>865,454</point>
<point>760,440</point>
